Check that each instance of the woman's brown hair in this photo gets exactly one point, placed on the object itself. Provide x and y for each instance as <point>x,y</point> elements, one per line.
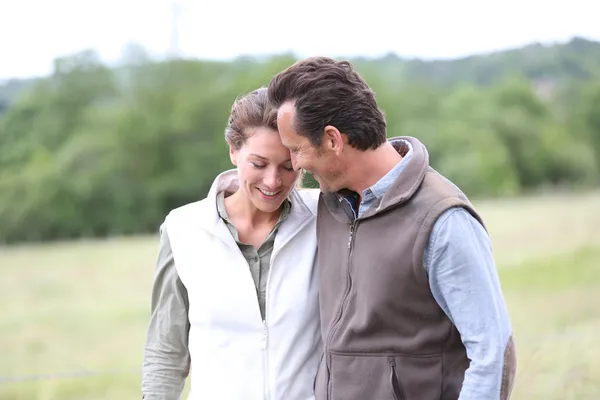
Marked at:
<point>248,112</point>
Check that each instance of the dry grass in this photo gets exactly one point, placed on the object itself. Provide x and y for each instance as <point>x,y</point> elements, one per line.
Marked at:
<point>84,306</point>
<point>541,227</point>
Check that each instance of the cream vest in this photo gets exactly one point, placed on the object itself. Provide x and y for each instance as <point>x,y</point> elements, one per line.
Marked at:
<point>235,354</point>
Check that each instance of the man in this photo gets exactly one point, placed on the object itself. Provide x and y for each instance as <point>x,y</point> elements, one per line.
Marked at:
<point>411,304</point>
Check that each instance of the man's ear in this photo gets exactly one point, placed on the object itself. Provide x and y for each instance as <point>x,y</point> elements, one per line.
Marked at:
<point>333,140</point>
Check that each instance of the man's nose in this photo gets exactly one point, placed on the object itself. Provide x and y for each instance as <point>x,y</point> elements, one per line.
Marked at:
<point>295,165</point>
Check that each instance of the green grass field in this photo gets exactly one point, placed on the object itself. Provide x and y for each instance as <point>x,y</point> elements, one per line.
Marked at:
<point>84,306</point>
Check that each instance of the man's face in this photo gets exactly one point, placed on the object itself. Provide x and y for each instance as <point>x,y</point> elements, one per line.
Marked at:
<point>321,162</point>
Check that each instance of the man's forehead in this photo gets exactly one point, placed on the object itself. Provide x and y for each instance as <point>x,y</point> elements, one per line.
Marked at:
<point>286,112</point>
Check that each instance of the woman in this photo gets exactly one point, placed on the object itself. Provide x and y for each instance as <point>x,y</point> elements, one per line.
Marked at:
<point>235,293</point>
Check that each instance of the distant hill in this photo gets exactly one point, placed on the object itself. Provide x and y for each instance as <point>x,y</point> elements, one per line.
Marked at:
<point>578,59</point>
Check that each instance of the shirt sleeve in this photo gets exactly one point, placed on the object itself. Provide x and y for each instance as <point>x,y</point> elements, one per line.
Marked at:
<point>166,361</point>
<point>464,281</point>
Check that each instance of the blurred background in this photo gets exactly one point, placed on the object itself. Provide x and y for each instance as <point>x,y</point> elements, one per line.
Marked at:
<point>111,114</point>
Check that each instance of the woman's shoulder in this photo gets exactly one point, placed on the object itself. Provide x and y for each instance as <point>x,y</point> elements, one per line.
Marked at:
<point>309,192</point>
<point>190,210</point>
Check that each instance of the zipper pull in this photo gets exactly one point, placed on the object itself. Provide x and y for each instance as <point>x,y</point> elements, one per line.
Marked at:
<point>397,390</point>
<point>351,235</point>
<point>263,342</point>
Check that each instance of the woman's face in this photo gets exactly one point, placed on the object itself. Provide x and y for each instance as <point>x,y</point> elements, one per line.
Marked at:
<point>264,169</point>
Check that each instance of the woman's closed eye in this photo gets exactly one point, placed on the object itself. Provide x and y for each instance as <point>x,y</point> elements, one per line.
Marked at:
<point>261,166</point>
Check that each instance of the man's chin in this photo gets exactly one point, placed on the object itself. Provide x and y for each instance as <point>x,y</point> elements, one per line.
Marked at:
<point>323,187</point>
<point>320,183</point>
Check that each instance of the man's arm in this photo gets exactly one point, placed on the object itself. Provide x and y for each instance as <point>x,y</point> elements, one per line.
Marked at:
<point>166,357</point>
<point>464,281</point>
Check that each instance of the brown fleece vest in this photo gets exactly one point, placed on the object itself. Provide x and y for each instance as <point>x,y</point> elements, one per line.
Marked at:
<point>385,336</point>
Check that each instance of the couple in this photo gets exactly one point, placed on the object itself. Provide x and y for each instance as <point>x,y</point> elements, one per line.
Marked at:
<point>383,286</point>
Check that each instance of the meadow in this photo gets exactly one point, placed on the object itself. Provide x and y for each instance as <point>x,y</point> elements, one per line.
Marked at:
<point>72,309</point>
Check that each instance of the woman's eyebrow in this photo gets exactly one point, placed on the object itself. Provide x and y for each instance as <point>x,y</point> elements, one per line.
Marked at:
<point>257,156</point>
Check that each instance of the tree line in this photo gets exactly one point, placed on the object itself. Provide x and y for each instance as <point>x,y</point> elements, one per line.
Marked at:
<point>94,151</point>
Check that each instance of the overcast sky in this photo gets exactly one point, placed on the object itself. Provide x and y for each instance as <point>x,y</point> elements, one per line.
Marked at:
<point>34,32</point>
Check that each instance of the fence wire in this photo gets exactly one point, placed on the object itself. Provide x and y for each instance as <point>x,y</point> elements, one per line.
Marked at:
<point>67,375</point>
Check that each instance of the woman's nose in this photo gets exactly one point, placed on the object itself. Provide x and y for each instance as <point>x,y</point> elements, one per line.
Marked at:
<point>273,179</point>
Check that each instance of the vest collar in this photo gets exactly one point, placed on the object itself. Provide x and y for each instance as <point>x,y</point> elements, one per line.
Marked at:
<point>401,189</point>
<point>299,215</point>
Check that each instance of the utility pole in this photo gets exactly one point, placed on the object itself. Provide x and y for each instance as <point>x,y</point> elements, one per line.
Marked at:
<point>176,11</point>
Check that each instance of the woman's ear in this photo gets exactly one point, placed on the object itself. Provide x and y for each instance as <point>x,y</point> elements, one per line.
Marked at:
<point>232,155</point>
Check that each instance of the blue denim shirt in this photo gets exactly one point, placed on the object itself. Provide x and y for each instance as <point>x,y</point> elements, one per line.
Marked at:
<point>464,281</point>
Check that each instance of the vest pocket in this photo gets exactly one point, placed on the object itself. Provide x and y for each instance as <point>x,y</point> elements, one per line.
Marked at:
<point>383,377</point>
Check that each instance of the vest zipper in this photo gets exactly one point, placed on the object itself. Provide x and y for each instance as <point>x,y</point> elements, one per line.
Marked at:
<point>335,325</point>
<point>265,338</point>
<point>350,237</point>
<point>264,343</point>
<point>397,391</point>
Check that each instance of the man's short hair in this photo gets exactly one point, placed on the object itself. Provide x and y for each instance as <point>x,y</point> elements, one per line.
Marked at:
<point>329,92</point>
